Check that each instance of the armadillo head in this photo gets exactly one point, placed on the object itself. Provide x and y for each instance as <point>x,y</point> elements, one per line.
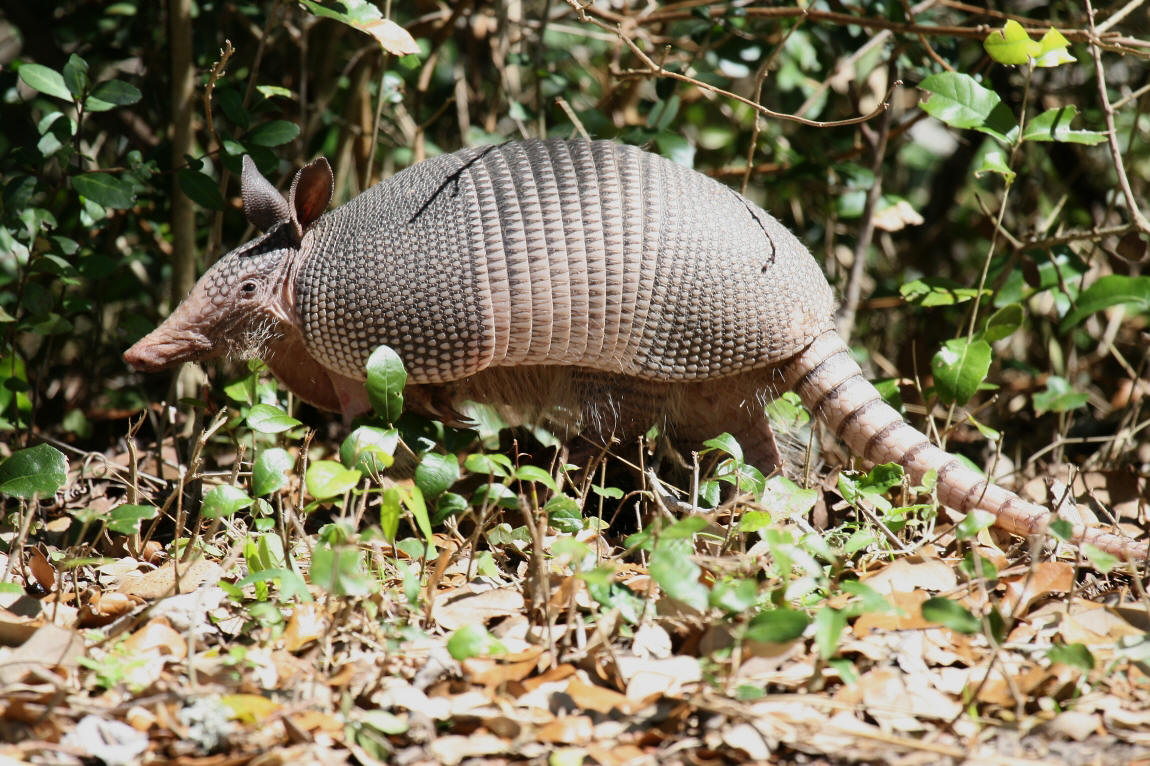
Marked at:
<point>247,298</point>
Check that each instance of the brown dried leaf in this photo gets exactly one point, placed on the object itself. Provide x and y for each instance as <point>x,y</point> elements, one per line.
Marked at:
<point>307,624</point>
<point>157,637</point>
<point>572,730</point>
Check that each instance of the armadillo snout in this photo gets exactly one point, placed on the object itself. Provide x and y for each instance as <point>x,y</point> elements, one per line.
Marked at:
<point>164,348</point>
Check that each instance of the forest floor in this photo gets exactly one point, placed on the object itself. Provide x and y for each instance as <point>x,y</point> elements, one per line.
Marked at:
<point>291,630</point>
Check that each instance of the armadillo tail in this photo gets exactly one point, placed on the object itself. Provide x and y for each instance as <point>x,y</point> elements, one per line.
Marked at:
<point>833,387</point>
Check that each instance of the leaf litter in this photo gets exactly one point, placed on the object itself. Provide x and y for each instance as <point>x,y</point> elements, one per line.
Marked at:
<point>502,638</point>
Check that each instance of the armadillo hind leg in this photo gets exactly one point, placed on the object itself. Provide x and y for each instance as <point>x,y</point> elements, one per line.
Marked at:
<point>733,405</point>
<point>833,387</point>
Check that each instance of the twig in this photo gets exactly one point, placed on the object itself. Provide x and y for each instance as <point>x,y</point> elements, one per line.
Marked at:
<point>1111,133</point>
<point>846,318</point>
<point>657,70</point>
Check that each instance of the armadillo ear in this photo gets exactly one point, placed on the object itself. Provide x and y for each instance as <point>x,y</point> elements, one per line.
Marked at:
<point>264,206</point>
<point>310,194</point>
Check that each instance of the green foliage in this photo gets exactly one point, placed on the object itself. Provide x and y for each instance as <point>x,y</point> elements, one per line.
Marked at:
<point>38,471</point>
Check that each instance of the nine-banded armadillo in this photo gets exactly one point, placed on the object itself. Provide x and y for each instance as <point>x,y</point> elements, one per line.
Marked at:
<point>586,278</point>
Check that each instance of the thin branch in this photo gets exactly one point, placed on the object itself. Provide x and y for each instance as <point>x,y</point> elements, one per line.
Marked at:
<point>1111,133</point>
<point>657,70</point>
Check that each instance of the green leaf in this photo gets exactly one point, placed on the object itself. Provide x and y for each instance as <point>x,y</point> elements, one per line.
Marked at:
<point>76,76</point>
<point>1059,397</point>
<point>327,479</point>
<point>563,513</point>
<point>105,189</point>
<point>436,473</point>
<point>786,499</point>
<point>1053,50</point>
<point>1074,655</point>
<point>273,133</point>
<point>829,624</point>
<point>958,100</point>
<point>126,519</point>
<point>224,500</point>
<point>269,472</point>
<point>268,419</point>
<point>959,368</point>
<point>1011,45</point>
<point>777,626</point>
<point>33,471</point>
<point>341,571</point>
<point>1107,291</point>
<point>45,80</point>
<point>735,596</point>
<point>726,444</point>
<point>938,291</point>
<point>495,494</point>
<point>678,576</point>
<point>951,614</point>
<point>994,161</point>
<point>117,93</point>
<point>200,188</point>
<point>1054,125</point>
<point>270,91</point>
<point>473,641</point>
<point>973,523</point>
<point>369,449</point>
<point>1098,558</point>
<point>417,506</point>
<point>1002,323</point>
<point>386,378</point>
<point>536,474</point>
<point>675,148</point>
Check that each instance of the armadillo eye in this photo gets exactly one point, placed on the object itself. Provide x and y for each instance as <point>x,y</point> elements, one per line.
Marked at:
<point>248,288</point>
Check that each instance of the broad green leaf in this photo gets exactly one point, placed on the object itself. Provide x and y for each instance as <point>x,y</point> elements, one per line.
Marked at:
<point>1011,45</point>
<point>369,449</point>
<point>44,79</point>
<point>994,161</point>
<point>777,626</point>
<point>341,571</point>
<point>1054,125</point>
<point>1053,50</point>
<point>1098,558</point>
<point>105,189</point>
<point>365,17</point>
<point>973,523</point>
<point>33,471</point>
<point>126,519</point>
<point>1002,323</point>
<point>269,472</point>
<point>726,444</point>
<point>270,91</point>
<point>273,133</point>
<point>200,188</point>
<point>829,624</point>
<point>951,614</point>
<point>959,368</point>
<point>269,419</point>
<point>536,474</point>
<point>473,641</point>
<point>678,576</point>
<point>224,500</point>
<point>386,378</point>
<point>735,596</point>
<point>1075,655</point>
<point>563,514</point>
<point>676,148</point>
<point>958,100</point>
<point>937,291</point>
<point>76,76</point>
<point>495,494</point>
<point>1108,291</point>
<point>390,509</point>
<point>786,499</point>
<point>1059,397</point>
<point>436,473</point>
<point>327,479</point>
<point>116,93</point>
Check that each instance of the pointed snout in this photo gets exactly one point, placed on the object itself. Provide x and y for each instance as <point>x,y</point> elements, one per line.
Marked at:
<point>166,347</point>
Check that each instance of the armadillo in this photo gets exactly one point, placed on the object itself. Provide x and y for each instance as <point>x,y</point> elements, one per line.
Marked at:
<point>586,277</point>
